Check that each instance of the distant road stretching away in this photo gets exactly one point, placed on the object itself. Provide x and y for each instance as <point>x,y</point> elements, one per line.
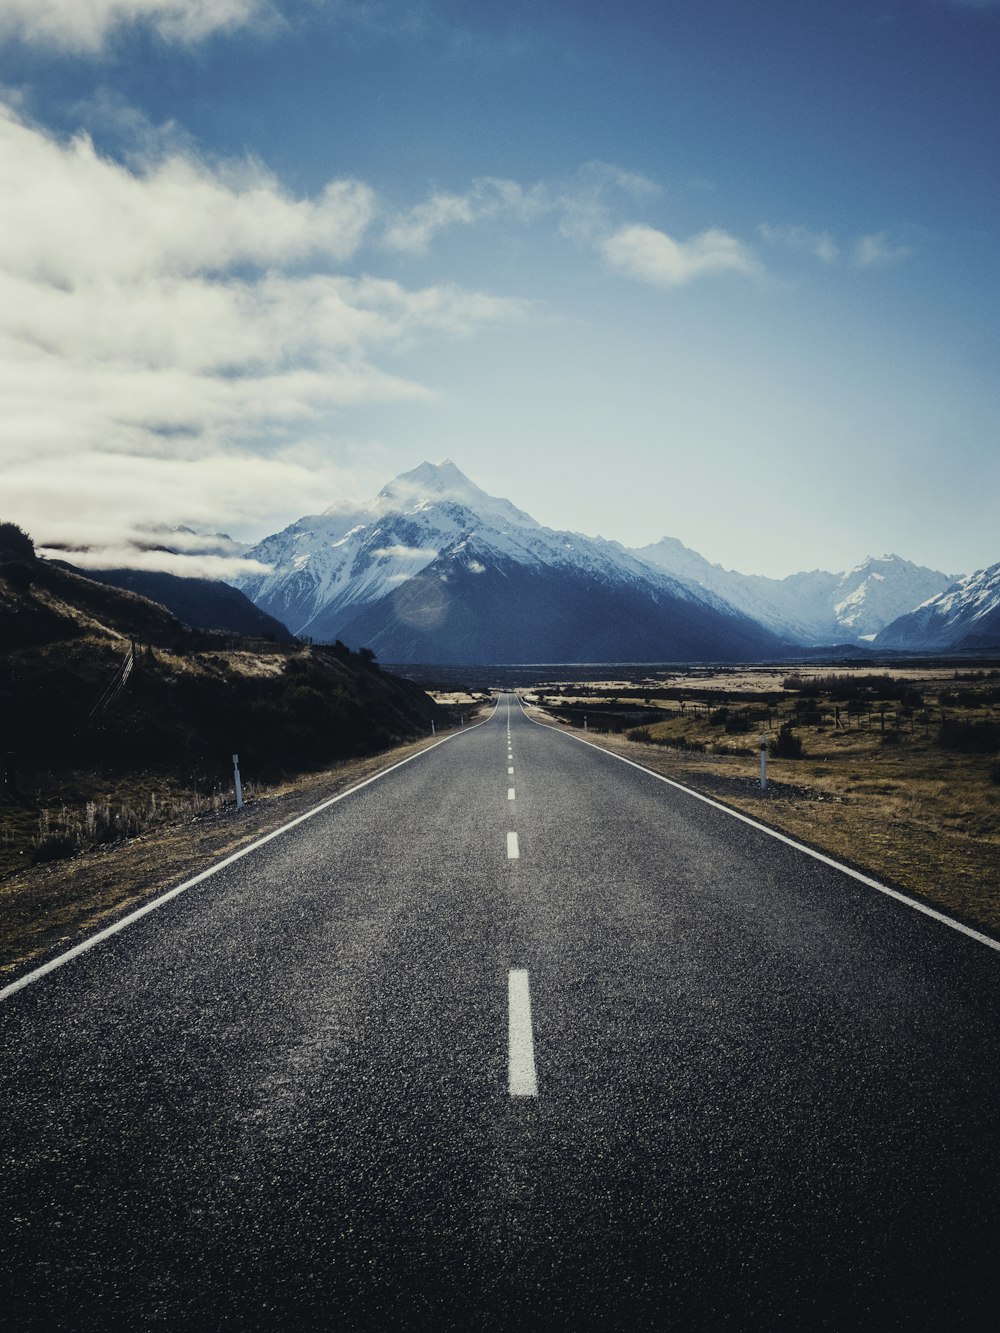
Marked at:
<point>516,1036</point>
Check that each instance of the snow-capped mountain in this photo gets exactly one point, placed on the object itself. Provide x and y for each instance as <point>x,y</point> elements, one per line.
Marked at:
<point>966,616</point>
<point>435,570</point>
<point>812,607</point>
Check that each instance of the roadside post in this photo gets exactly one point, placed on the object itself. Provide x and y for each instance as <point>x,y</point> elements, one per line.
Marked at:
<point>433,728</point>
<point>239,784</point>
<point>585,721</point>
<point>763,762</point>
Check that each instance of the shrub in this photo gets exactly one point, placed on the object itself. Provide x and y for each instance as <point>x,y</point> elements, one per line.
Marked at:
<point>970,737</point>
<point>787,745</point>
<point>695,747</point>
<point>15,544</point>
<point>53,847</point>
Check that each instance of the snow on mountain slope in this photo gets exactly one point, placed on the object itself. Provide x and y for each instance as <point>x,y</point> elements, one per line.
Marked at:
<point>329,570</point>
<point>966,615</point>
<point>811,607</point>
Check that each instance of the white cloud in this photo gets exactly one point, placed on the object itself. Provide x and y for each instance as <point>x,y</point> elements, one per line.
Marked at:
<point>879,251</point>
<point>652,256</point>
<point>412,231</point>
<point>420,553</point>
<point>817,243</point>
<point>66,207</point>
<point>86,25</point>
<point>174,338</point>
<point>127,556</point>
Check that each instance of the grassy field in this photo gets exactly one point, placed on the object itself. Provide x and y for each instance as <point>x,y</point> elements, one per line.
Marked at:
<point>898,775</point>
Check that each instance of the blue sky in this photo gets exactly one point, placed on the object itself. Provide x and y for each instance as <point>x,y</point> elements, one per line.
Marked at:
<point>720,271</point>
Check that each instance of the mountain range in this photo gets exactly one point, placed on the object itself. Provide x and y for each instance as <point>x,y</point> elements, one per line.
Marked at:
<point>434,569</point>
<point>815,606</point>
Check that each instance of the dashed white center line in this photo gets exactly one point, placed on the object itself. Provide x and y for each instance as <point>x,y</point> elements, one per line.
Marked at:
<point>510,793</point>
<point>513,850</point>
<point>510,770</point>
<point>521,1079</point>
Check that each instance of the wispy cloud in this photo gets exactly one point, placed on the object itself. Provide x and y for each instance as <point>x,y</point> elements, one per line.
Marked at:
<point>85,26</point>
<point>168,331</point>
<point>879,251</point>
<point>412,231</point>
<point>820,244</point>
<point>419,553</point>
<point>873,250</point>
<point>649,255</point>
<point>130,556</point>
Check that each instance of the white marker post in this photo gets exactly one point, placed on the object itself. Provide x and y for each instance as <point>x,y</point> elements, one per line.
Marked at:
<point>433,728</point>
<point>239,784</point>
<point>585,721</point>
<point>763,762</point>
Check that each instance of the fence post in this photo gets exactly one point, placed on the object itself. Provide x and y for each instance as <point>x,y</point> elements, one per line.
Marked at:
<point>239,784</point>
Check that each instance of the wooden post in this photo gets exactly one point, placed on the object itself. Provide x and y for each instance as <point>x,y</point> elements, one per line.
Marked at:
<point>239,784</point>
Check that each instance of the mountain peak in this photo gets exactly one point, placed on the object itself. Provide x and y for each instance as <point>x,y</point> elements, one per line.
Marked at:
<point>430,483</point>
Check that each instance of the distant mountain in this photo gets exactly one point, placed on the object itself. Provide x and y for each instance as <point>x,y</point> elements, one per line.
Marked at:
<point>814,607</point>
<point>436,570</point>
<point>199,603</point>
<point>966,617</point>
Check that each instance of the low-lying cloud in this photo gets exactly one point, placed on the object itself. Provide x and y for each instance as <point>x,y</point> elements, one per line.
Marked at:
<point>415,553</point>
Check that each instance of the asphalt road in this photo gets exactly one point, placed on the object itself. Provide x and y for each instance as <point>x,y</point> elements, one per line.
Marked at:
<point>727,1087</point>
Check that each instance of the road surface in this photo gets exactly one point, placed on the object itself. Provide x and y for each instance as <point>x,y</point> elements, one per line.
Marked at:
<point>515,1037</point>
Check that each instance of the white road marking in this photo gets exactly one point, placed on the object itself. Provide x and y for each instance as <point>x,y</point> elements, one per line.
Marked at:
<point>510,793</point>
<point>521,1078</point>
<point>510,770</point>
<point>29,977</point>
<point>513,850</point>
<point>789,842</point>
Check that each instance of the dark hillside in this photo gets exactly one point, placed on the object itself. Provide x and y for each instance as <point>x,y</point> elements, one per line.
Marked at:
<point>199,603</point>
<point>73,729</point>
<point>43,603</point>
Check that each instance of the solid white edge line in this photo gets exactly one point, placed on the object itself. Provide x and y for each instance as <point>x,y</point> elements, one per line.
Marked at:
<point>521,1078</point>
<point>783,837</point>
<point>37,973</point>
<point>513,848</point>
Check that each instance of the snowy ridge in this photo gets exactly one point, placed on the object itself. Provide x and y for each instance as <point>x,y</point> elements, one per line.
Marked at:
<point>816,606</point>
<point>435,570</point>
<point>332,564</point>
<point>433,566</point>
<point>966,615</point>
